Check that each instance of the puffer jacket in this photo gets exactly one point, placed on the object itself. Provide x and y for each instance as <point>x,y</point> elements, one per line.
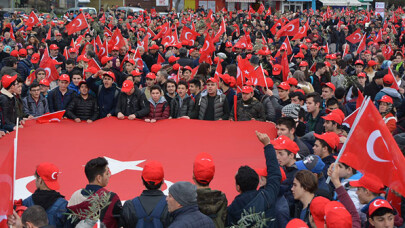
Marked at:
<point>135,103</point>
<point>35,108</point>
<point>269,109</point>
<point>190,217</point>
<point>246,110</point>
<point>84,109</point>
<point>186,109</point>
<point>159,110</point>
<point>24,68</point>
<point>221,107</point>
<point>213,203</point>
<point>9,110</point>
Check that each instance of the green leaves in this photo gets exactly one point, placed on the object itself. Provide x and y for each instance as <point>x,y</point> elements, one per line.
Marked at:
<point>251,219</point>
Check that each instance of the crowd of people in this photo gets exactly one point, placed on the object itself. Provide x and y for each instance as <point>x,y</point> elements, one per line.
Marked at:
<point>307,86</point>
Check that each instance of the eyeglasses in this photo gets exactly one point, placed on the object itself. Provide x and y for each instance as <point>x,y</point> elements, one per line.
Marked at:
<point>35,90</point>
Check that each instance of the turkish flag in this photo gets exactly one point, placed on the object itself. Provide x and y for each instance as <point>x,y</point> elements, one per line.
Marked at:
<point>116,40</point>
<point>247,70</point>
<point>150,33</point>
<point>138,59</point>
<point>188,35</point>
<point>107,32</point>
<point>302,32</point>
<point>242,42</point>
<point>93,63</point>
<point>378,38</point>
<point>285,67</point>
<point>65,53</point>
<point>362,45</point>
<point>153,12</point>
<point>194,71</point>
<point>260,77</point>
<point>51,117</point>
<point>103,49</point>
<point>349,120</point>
<point>48,64</point>
<point>355,37</point>
<point>221,31</point>
<point>168,37</point>
<point>289,29</point>
<point>280,22</point>
<point>160,59</point>
<point>164,28</point>
<point>261,9</point>
<point>395,84</point>
<point>77,24</point>
<point>32,19</point>
<point>286,44</point>
<point>49,34</point>
<point>371,149</point>
<point>218,69</point>
<point>208,45</point>
<point>387,51</point>
<point>6,185</point>
<point>144,42</point>
<point>268,13</point>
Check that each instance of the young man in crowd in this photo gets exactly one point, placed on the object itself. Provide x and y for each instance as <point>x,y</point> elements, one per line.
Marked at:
<point>325,146</point>
<point>182,106</point>
<point>60,97</point>
<point>328,91</point>
<point>8,102</point>
<point>212,105</point>
<point>35,104</point>
<point>131,103</point>
<point>287,126</point>
<point>224,85</point>
<point>313,118</point>
<point>248,108</point>
<point>150,81</point>
<point>84,106</point>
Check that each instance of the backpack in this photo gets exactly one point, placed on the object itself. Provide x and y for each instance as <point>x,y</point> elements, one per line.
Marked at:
<point>152,220</point>
<point>55,212</point>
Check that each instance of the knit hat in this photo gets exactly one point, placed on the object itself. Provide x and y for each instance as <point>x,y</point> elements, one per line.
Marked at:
<point>184,193</point>
<point>291,110</point>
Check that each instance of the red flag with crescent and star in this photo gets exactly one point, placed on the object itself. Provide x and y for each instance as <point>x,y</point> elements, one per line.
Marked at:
<point>116,40</point>
<point>355,37</point>
<point>302,32</point>
<point>289,29</point>
<point>6,186</point>
<point>189,35</point>
<point>32,19</point>
<point>77,24</point>
<point>371,149</point>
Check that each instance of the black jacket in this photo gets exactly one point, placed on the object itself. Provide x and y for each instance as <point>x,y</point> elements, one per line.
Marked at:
<point>372,89</point>
<point>135,103</point>
<point>186,109</point>
<point>83,109</point>
<point>57,101</point>
<point>8,109</point>
<point>252,108</point>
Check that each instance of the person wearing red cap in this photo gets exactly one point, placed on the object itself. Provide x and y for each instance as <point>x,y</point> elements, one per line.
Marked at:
<point>131,103</point>
<point>328,91</point>
<point>60,97</point>
<point>247,180</point>
<point>325,146</point>
<point>283,93</point>
<point>313,118</point>
<point>35,104</point>
<point>159,108</point>
<point>44,87</point>
<point>337,216</point>
<point>24,66</point>
<point>151,205</point>
<point>182,105</point>
<point>296,223</point>
<point>248,108</point>
<point>381,214</point>
<point>98,175</point>
<point>386,109</point>
<point>224,84</point>
<point>46,196</point>
<point>212,203</point>
<point>55,54</point>
<point>8,102</point>
<point>388,81</point>
<point>212,105</point>
<point>84,106</point>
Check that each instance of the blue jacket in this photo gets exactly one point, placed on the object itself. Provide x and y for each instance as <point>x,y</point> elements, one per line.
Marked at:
<point>56,212</point>
<point>57,101</point>
<point>286,185</point>
<point>189,217</point>
<point>107,98</point>
<point>269,193</point>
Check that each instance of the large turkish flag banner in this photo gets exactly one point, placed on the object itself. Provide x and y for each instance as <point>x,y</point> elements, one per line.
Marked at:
<point>128,144</point>
<point>370,148</point>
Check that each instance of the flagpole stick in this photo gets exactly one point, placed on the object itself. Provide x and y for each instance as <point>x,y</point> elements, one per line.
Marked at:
<point>265,81</point>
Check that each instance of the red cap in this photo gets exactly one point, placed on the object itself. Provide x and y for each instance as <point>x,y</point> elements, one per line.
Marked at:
<point>388,79</point>
<point>105,60</point>
<point>247,89</point>
<point>386,99</point>
<point>299,55</point>
<point>314,47</point>
<point>370,182</point>
<point>226,78</point>
<point>330,85</point>
<point>212,80</point>
<point>296,223</point>
<point>359,62</point>
<point>300,91</point>
<point>64,77</point>
<point>142,29</point>
<point>303,63</point>
<point>30,47</point>
<point>277,69</point>
<point>372,63</point>
<point>333,56</point>
<point>6,80</point>
<point>54,47</point>
<point>331,138</point>
<point>191,69</point>
<point>269,83</point>
<point>72,50</point>
<point>327,64</point>
<point>110,74</point>
<point>35,58</point>
<point>115,48</point>
<point>153,172</point>
<point>361,75</point>
<point>317,209</point>
<point>285,143</point>
<point>151,76</point>
<point>173,59</point>
<point>228,44</point>
<point>154,47</point>
<point>131,61</point>
<point>367,52</point>
<point>136,72</point>
<point>14,53</point>
<point>22,52</point>
<point>44,82</point>
<point>336,115</point>
<point>283,48</point>
<point>378,203</point>
<point>384,33</point>
<point>303,46</point>
<point>82,58</point>
<point>155,68</point>
<point>336,215</point>
<point>49,174</point>
<point>292,81</point>
<point>92,70</point>
<point>204,168</point>
<point>127,85</point>
<point>58,33</point>
<point>284,86</point>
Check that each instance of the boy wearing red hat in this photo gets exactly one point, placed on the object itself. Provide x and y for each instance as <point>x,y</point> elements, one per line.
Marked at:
<point>325,146</point>
<point>8,102</point>
<point>60,97</point>
<point>212,104</point>
<point>388,81</point>
<point>248,108</point>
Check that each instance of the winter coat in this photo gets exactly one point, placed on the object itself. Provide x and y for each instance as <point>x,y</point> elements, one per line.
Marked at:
<point>149,199</point>
<point>135,103</point>
<point>8,71</point>
<point>35,108</point>
<point>372,89</point>
<point>269,109</point>
<point>246,110</point>
<point>316,124</point>
<point>8,107</point>
<point>221,108</point>
<point>158,110</point>
<point>286,185</point>
<point>267,195</point>
<point>24,68</point>
<point>393,93</point>
<point>106,97</point>
<point>391,122</point>
<point>57,101</point>
<point>190,217</point>
<point>186,108</point>
<point>213,203</point>
<point>83,109</point>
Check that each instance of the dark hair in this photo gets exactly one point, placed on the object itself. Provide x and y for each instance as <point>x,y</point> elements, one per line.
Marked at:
<point>205,184</point>
<point>324,143</point>
<point>300,96</point>
<point>232,70</point>
<point>226,84</point>
<point>70,61</point>
<point>315,96</point>
<point>332,101</point>
<point>289,122</point>
<point>183,83</point>
<point>35,215</point>
<point>156,87</point>
<point>196,82</point>
<point>308,180</point>
<point>152,186</point>
<point>246,178</point>
<point>10,61</point>
<point>354,171</point>
<point>95,167</point>
<point>381,211</point>
<point>319,65</point>
<point>77,72</point>
<point>34,84</point>
<point>170,81</point>
<point>340,92</point>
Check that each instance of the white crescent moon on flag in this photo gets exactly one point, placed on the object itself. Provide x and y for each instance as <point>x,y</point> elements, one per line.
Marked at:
<point>118,40</point>
<point>301,30</point>
<point>31,20</point>
<point>292,28</point>
<point>370,145</point>
<point>375,203</point>
<point>186,35</point>
<point>53,175</point>
<point>80,22</point>
<point>208,45</point>
<point>48,72</point>
<point>103,49</point>
<point>357,35</point>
